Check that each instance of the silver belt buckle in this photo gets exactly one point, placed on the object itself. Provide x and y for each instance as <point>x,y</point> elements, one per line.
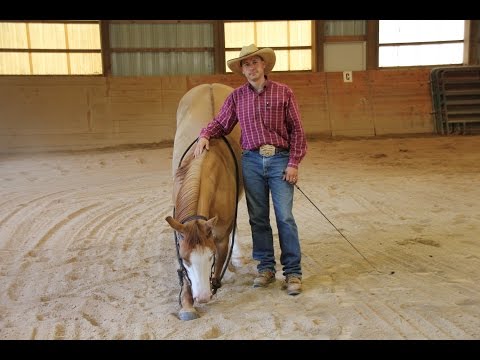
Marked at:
<point>267,150</point>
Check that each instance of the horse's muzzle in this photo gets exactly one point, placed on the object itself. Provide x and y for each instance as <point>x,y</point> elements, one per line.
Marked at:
<point>203,298</point>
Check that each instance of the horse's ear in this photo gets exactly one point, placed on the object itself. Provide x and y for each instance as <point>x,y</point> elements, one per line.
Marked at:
<point>212,222</point>
<point>175,224</point>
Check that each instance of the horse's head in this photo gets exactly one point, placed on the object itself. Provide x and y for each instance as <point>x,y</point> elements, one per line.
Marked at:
<point>197,253</point>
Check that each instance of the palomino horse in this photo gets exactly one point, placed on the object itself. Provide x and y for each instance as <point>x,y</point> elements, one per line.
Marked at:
<point>205,195</point>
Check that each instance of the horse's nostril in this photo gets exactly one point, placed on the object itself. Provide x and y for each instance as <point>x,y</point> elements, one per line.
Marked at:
<point>202,299</point>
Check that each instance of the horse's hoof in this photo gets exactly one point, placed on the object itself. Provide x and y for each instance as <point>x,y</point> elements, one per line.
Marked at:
<point>188,315</point>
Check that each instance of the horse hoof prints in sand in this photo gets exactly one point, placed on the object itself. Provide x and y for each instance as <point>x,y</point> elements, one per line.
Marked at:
<point>206,191</point>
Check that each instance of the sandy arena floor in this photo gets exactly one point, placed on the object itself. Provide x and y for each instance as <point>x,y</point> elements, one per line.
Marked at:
<point>86,253</point>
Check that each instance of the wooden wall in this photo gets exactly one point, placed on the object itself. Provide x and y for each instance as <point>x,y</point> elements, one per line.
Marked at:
<point>70,113</point>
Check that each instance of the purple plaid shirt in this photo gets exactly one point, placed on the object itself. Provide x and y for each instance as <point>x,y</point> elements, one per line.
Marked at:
<point>269,117</point>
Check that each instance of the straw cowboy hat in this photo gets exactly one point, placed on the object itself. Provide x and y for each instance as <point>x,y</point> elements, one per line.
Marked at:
<point>267,54</point>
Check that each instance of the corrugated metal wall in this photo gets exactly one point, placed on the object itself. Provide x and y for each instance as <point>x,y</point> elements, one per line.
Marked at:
<point>149,37</point>
<point>345,27</point>
<point>162,63</point>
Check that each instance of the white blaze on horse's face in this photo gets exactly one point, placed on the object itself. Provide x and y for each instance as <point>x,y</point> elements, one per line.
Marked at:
<point>199,269</point>
<point>197,251</point>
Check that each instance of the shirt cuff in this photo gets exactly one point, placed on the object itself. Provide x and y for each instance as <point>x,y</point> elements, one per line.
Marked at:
<point>293,164</point>
<point>204,135</point>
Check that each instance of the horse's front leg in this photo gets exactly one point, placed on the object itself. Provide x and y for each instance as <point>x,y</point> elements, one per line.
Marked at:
<point>187,312</point>
<point>222,251</point>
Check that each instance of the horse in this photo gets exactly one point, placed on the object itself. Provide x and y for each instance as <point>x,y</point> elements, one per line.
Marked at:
<point>206,191</point>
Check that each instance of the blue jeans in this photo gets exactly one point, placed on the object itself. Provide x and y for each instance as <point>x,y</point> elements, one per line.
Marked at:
<point>262,176</point>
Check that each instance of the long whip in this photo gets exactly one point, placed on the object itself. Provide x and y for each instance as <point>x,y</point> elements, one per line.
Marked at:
<point>320,211</point>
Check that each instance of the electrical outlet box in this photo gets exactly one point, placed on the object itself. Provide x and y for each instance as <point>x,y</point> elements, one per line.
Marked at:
<point>347,76</point>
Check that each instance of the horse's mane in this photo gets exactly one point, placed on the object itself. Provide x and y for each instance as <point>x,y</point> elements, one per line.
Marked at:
<point>188,176</point>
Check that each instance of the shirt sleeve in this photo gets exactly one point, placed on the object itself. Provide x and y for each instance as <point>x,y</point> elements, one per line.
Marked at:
<point>224,122</point>
<point>298,141</point>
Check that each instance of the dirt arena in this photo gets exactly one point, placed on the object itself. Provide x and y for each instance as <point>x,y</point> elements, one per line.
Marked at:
<point>86,252</point>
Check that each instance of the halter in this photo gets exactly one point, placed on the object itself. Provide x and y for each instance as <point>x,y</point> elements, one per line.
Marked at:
<point>182,271</point>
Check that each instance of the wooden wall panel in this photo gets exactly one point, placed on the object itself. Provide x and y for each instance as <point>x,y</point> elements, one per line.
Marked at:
<point>401,101</point>
<point>51,113</point>
<point>350,105</point>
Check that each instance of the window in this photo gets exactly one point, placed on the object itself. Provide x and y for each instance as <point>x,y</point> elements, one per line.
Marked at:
<point>420,42</point>
<point>50,48</point>
<point>291,40</point>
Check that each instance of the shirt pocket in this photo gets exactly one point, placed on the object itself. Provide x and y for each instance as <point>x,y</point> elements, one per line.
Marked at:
<point>274,113</point>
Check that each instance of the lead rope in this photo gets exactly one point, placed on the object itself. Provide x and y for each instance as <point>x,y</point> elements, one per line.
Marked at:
<point>229,256</point>
<point>182,272</point>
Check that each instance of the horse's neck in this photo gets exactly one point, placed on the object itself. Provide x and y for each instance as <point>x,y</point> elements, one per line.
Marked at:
<point>193,196</point>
